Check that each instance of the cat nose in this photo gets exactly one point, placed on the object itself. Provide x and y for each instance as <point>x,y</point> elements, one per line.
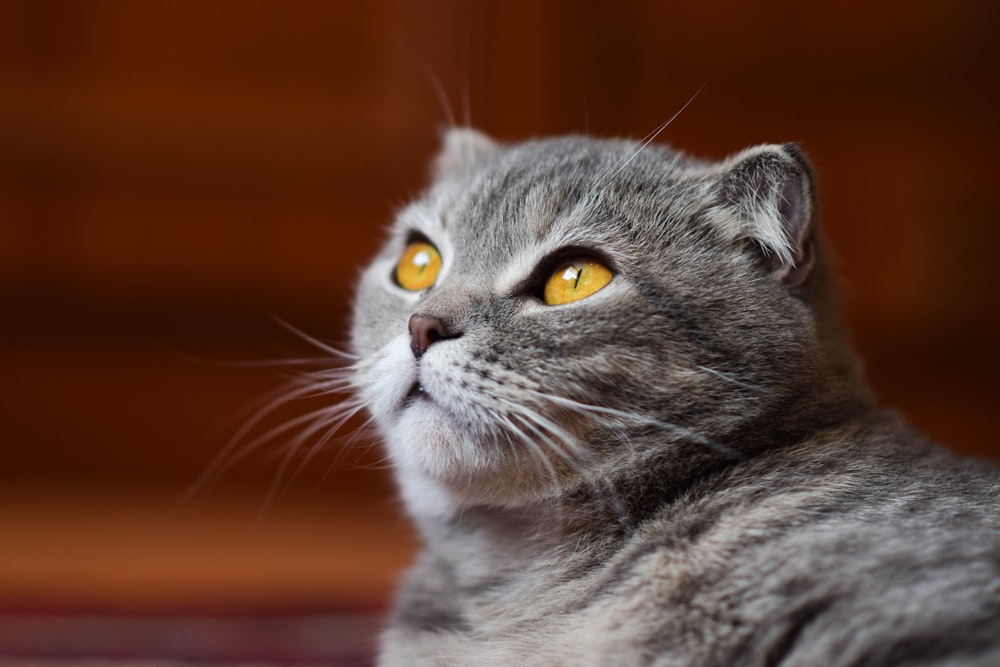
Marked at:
<point>426,330</point>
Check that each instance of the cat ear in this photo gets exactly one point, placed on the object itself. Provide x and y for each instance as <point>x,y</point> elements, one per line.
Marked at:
<point>767,192</point>
<point>461,148</point>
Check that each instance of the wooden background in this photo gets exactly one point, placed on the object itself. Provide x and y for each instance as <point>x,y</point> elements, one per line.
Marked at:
<point>175,174</point>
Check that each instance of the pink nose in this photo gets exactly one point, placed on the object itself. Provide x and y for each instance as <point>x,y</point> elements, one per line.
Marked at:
<point>425,331</point>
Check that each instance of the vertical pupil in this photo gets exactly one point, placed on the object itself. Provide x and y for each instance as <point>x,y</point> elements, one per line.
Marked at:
<point>572,273</point>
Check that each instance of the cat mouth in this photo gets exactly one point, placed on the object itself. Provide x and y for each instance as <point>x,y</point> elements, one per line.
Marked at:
<point>416,393</point>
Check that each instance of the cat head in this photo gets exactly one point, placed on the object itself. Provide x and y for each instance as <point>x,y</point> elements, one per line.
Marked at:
<point>555,312</point>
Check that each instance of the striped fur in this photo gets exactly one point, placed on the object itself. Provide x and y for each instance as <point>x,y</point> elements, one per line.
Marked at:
<point>684,468</point>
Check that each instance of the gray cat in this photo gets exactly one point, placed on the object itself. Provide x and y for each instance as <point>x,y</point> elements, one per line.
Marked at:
<point>625,420</point>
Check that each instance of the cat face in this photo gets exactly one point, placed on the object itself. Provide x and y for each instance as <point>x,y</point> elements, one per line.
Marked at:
<point>552,310</point>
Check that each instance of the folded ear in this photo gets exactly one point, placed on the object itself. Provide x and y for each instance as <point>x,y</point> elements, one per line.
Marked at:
<point>766,195</point>
<point>461,148</point>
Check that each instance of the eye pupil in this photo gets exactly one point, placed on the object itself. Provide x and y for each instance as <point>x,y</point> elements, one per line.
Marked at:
<point>573,273</point>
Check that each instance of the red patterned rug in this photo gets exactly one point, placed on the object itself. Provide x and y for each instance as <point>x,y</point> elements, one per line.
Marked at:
<point>335,638</point>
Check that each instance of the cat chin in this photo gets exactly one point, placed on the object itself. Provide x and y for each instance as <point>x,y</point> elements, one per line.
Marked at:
<point>426,438</point>
<point>398,390</point>
<point>427,430</point>
<point>441,469</point>
<point>430,497</point>
<point>443,444</point>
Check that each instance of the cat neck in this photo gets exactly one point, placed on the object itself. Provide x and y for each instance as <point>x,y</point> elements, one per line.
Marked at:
<point>534,549</point>
<point>533,541</point>
<point>614,502</point>
<point>580,526</point>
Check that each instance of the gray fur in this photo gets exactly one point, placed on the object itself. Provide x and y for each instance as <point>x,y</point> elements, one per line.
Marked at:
<point>684,468</point>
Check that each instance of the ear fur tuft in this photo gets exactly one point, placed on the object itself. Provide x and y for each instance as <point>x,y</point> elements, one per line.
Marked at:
<point>461,148</point>
<point>766,195</point>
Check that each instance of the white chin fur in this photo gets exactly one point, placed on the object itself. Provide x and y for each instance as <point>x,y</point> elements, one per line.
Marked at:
<point>425,443</point>
<point>443,446</point>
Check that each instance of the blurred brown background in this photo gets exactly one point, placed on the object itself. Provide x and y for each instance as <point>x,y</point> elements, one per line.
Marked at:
<point>174,175</point>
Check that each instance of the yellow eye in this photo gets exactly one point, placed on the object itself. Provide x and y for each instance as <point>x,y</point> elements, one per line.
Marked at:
<point>575,280</point>
<point>418,267</point>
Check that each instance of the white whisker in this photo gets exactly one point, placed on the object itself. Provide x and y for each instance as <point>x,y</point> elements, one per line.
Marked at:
<point>585,408</point>
<point>599,486</point>
<point>305,382</point>
<point>318,344</point>
<point>729,378</point>
<point>442,96</point>
<point>330,427</point>
<point>466,78</point>
<point>649,138</point>
<point>530,442</point>
<point>235,448</point>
